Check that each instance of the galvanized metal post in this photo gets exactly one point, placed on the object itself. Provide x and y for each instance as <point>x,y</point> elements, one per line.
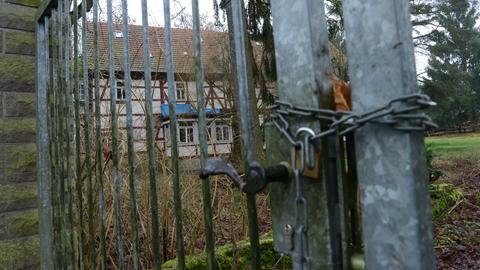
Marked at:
<point>78,161</point>
<point>203,136</point>
<point>245,121</point>
<point>43,151</point>
<point>391,166</point>
<point>99,139</point>
<point>114,131</point>
<point>69,129</point>
<point>87,121</point>
<point>172,102</point>
<point>152,155</point>
<point>303,61</point>
<point>130,145</point>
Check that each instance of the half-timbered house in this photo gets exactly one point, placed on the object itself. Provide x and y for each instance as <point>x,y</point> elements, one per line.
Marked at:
<point>218,104</point>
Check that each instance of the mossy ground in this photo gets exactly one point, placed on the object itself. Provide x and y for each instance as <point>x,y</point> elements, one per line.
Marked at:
<point>228,256</point>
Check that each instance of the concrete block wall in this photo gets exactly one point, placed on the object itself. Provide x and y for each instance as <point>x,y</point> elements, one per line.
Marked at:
<point>19,242</point>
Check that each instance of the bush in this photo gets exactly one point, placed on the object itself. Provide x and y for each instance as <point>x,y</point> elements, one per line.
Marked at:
<point>444,196</point>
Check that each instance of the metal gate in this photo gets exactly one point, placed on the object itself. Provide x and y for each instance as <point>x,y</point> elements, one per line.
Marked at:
<point>348,190</point>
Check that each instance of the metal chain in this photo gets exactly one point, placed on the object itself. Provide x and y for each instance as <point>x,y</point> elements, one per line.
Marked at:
<point>401,113</point>
<point>301,254</point>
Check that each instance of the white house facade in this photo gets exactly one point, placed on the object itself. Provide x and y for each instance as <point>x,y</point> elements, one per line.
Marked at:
<point>218,104</point>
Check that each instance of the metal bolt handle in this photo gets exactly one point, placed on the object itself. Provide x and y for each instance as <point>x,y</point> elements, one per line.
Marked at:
<point>257,176</point>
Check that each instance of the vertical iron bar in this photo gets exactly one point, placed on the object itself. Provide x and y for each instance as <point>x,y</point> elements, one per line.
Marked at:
<point>130,147</point>
<point>202,135</point>
<point>56,140</point>
<point>43,155</point>
<point>114,126</point>
<point>86,125</point>
<point>78,162</point>
<point>68,134</point>
<point>50,126</point>
<point>61,133</point>
<point>151,139</point>
<point>391,166</point>
<point>98,137</point>
<point>245,122</point>
<point>172,101</point>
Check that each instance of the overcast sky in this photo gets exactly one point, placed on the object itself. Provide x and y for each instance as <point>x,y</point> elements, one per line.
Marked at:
<point>155,11</point>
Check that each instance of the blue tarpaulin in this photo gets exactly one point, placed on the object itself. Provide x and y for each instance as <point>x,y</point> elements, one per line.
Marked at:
<point>186,110</point>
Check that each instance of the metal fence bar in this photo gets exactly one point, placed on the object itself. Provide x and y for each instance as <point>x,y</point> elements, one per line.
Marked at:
<point>61,93</point>
<point>245,122</point>
<point>87,118</point>
<point>78,161</point>
<point>53,134</point>
<point>43,155</point>
<point>98,137</point>
<point>302,53</point>
<point>202,136</point>
<point>390,164</point>
<point>130,147</point>
<point>69,126</point>
<point>396,215</point>
<point>152,155</point>
<point>172,101</point>
<point>55,146</point>
<point>114,129</point>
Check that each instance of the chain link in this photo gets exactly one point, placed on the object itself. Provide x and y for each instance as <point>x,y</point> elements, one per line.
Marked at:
<point>302,146</point>
<point>401,113</point>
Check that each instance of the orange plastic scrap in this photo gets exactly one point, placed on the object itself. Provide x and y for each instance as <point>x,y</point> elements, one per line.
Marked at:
<point>341,89</point>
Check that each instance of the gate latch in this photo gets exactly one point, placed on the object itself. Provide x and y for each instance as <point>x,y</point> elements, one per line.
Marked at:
<point>258,176</point>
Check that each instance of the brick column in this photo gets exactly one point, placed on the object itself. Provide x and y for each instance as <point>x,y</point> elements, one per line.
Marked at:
<point>19,243</point>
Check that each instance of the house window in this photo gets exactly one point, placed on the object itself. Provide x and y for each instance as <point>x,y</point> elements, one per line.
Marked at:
<point>181,91</point>
<point>120,89</point>
<point>222,131</point>
<point>185,132</point>
<point>81,92</point>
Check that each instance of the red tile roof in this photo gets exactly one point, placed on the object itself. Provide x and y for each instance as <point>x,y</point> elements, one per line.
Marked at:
<point>214,49</point>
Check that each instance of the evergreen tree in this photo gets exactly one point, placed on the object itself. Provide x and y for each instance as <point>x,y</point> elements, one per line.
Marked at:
<point>453,72</point>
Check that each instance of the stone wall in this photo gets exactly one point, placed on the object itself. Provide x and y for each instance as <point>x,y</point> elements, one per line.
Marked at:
<point>19,242</point>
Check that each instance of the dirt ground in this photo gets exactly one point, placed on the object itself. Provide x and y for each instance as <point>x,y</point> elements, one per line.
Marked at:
<point>458,235</point>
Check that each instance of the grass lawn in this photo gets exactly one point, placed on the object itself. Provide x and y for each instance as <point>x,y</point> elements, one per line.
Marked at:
<point>458,146</point>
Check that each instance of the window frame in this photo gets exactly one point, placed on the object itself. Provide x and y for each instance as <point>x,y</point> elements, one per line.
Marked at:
<point>185,91</point>
<point>225,128</point>
<point>81,92</point>
<point>188,129</point>
<point>123,95</point>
